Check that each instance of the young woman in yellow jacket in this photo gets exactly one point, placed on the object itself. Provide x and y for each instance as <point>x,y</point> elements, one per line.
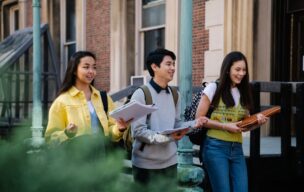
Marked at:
<point>78,109</point>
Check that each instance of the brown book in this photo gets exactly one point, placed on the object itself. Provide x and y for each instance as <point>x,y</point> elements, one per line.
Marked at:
<point>252,119</point>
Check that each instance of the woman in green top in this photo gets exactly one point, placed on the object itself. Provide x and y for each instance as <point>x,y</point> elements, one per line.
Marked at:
<point>223,155</point>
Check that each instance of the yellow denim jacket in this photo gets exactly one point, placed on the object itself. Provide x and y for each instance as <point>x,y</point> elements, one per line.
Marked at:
<point>72,107</point>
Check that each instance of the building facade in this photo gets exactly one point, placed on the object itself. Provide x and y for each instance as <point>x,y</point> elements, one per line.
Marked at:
<point>122,32</point>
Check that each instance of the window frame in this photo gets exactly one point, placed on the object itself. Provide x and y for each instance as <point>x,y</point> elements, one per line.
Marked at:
<point>12,11</point>
<point>79,42</point>
<point>171,30</point>
<point>140,35</point>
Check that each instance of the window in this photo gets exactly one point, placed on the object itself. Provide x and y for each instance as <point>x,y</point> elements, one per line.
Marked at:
<point>68,32</point>
<point>151,25</point>
<point>156,26</point>
<point>72,29</point>
<point>13,19</point>
<point>153,39</point>
<point>16,20</point>
<point>153,13</point>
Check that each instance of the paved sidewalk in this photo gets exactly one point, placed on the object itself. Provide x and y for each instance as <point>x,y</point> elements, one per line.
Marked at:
<point>269,145</point>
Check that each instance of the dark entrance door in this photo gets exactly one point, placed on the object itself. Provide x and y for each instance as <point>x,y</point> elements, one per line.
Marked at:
<point>288,40</point>
<point>288,45</point>
<point>298,53</point>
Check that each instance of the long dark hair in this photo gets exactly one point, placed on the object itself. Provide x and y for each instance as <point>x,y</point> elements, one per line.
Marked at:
<point>70,74</point>
<point>224,86</point>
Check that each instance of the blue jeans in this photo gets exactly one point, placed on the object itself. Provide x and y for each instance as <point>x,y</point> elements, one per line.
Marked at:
<point>226,165</point>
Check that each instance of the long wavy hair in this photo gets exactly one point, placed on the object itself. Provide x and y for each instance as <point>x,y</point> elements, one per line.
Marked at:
<point>70,74</point>
<point>224,83</point>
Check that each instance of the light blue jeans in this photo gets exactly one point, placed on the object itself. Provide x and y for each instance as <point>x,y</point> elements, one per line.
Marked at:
<point>226,165</point>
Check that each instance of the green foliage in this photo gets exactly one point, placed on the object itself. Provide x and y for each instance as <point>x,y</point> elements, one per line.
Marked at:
<point>79,165</point>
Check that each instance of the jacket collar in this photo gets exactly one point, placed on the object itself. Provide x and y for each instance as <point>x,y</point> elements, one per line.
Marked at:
<point>74,91</point>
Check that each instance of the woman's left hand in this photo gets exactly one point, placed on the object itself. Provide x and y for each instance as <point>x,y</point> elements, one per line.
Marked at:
<point>262,118</point>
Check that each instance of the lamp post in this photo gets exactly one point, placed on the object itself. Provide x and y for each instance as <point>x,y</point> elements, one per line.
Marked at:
<point>37,137</point>
<point>188,174</point>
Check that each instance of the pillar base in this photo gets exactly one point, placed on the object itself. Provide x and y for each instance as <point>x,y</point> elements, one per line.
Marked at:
<point>189,177</point>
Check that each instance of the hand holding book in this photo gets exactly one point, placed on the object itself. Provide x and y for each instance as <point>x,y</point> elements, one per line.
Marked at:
<point>179,134</point>
<point>252,121</point>
<point>170,131</point>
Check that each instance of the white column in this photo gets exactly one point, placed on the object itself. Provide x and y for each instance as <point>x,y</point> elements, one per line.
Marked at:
<point>118,45</point>
<point>214,17</point>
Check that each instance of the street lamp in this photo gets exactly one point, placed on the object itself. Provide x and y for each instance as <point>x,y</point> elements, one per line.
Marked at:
<point>37,129</point>
<point>189,175</point>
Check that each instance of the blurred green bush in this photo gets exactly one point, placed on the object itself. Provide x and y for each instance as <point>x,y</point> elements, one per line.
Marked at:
<point>78,165</point>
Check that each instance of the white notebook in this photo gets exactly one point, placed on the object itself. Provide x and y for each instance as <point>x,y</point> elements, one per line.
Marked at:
<point>132,110</point>
<point>170,131</point>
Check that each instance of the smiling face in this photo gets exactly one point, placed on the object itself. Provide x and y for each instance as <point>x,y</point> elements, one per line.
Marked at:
<point>165,72</point>
<point>237,72</point>
<point>86,71</point>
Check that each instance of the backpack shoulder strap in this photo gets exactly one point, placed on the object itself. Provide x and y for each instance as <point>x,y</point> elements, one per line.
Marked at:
<point>147,93</point>
<point>104,100</point>
<point>174,94</point>
<point>148,99</point>
<point>211,107</point>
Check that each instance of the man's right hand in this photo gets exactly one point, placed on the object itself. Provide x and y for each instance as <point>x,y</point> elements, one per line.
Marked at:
<point>200,121</point>
<point>179,134</point>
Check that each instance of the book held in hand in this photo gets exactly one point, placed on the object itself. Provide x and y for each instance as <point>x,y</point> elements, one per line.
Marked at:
<point>253,120</point>
<point>170,131</point>
<point>132,110</point>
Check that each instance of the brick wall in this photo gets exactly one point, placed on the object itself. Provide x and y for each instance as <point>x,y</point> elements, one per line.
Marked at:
<point>98,39</point>
<point>200,41</point>
<point>29,14</point>
<point>44,8</point>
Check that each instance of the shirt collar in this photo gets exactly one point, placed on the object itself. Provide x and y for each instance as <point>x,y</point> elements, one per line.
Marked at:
<point>158,88</point>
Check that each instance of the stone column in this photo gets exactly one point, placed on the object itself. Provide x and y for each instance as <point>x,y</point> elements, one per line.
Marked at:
<point>189,176</point>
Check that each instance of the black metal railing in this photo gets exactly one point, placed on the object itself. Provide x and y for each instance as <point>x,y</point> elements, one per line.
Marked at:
<point>286,167</point>
<point>16,78</point>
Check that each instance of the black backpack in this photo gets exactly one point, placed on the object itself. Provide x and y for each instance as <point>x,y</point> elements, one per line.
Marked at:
<point>197,136</point>
<point>104,100</point>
